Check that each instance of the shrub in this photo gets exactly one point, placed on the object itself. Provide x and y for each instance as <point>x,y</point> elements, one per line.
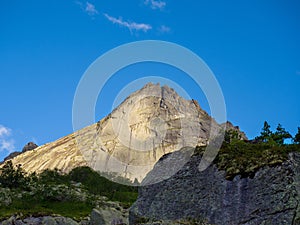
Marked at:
<point>99,185</point>
<point>12,177</point>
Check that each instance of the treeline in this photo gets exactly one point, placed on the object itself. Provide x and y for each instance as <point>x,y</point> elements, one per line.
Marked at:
<point>278,137</point>
<point>267,136</point>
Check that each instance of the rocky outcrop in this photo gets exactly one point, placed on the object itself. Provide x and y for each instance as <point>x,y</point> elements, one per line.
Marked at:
<point>150,123</point>
<point>230,127</point>
<point>272,196</point>
<point>29,146</point>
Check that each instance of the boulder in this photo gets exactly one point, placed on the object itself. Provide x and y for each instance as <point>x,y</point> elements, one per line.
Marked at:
<point>108,216</point>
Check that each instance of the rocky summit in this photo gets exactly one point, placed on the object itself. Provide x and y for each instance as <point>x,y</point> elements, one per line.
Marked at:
<point>128,142</point>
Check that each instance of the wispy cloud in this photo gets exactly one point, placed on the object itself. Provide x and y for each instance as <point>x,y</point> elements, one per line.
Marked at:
<point>88,7</point>
<point>154,4</point>
<point>132,26</point>
<point>4,131</point>
<point>164,29</point>
<point>91,9</point>
<point>6,142</point>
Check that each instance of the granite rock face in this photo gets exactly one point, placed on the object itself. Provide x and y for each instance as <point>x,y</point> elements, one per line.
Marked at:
<point>271,197</point>
<point>151,122</point>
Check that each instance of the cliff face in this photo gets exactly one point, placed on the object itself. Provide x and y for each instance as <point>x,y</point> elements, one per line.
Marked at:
<point>151,122</point>
<point>271,197</point>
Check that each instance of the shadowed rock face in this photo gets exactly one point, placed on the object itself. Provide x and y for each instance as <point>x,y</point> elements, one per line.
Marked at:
<point>29,146</point>
<point>271,197</point>
<point>151,122</point>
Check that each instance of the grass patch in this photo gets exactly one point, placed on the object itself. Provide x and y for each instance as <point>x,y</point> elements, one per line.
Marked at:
<point>75,210</point>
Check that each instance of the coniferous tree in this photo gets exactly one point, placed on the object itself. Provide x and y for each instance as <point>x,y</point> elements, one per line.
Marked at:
<point>265,134</point>
<point>296,139</point>
<point>280,135</point>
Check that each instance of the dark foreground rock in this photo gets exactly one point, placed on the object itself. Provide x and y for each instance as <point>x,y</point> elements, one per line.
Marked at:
<point>272,196</point>
<point>46,220</point>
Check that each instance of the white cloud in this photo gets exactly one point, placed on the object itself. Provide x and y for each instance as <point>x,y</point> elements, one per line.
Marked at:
<point>130,25</point>
<point>6,143</point>
<point>154,4</point>
<point>91,9</point>
<point>164,29</point>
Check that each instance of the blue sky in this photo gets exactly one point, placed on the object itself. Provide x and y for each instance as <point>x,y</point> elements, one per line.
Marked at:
<point>253,48</point>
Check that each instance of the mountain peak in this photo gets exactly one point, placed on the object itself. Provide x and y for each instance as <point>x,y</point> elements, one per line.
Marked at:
<point>156,90</point>
<point>151,122</point>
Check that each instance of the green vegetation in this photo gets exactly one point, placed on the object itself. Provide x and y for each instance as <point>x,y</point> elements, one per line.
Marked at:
<point>99,185</point>
<point>231,135</point>
<point>244,158</point>
<point>239,157</point>
<point>71,195</point>
<point>11,177</point>
<point>296,139</point>
<point>276,138</point>
<point>29,207</point>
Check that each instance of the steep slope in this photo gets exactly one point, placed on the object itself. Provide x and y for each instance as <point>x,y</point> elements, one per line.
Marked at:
<point>151,122</point>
